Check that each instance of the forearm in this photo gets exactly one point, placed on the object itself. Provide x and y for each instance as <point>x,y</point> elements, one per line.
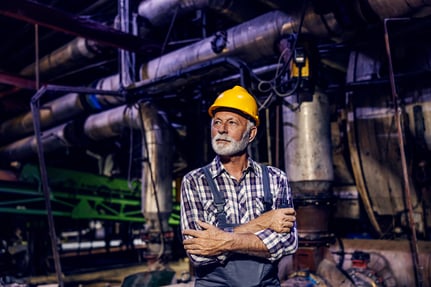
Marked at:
<point>247,243</point>
<point>252,226</point>
<point>279,220</point>
<point>212,242</point>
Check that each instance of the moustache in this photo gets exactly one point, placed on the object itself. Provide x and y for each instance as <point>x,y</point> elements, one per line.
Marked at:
<point>222,137</point>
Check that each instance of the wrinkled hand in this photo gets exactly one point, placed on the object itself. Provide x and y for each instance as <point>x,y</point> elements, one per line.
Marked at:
<point>280,220</point>
<point>210,241</point>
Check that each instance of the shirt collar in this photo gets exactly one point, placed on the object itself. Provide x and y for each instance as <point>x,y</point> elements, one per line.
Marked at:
<point>216,168</point>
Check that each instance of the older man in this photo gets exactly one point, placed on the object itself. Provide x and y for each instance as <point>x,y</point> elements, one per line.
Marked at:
<point>237,216</point>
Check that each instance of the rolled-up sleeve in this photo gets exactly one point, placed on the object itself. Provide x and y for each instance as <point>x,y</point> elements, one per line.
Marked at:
<point>279,244</point>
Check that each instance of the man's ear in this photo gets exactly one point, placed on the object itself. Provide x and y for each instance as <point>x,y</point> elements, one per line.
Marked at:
<point>252,135</point>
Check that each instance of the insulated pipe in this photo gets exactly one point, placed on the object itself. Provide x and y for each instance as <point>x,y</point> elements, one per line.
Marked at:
<point>394,8</point>
<point>52,113</point>
<point>63,109</point>
<point>308,162</point>
<point>157,158</point>
<point>65,57</point>
<point>159,12</point>
<point>25,148</point>
<point>251,41</point>
<point>307,145</point>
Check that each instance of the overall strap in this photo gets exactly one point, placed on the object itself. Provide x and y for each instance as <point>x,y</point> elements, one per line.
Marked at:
<point>219,200</point>
<point>267,197</point>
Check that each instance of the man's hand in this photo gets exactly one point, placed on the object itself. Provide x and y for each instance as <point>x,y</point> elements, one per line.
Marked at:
<point>280,220</point>
<point>210,241</point>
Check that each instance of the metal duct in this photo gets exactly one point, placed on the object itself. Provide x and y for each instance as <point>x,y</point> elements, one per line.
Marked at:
<point>394,8</point>
<point>308,162</point>
<point>156,151</point>
<point>252,40</point>
<point>307,145</point>
<point>80,49</point>
<point>66,57</point>
<point>160,12</point>
<point>52,113</point>
<point>157,177</point>
<point>63,109</point>
<point>52,140</point>
<point>157,155</point>
<point>157,142</point>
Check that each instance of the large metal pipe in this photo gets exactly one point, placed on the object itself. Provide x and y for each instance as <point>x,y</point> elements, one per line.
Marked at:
<point>78,51</point>
<point>157,158</point>
<point>308,162</point>
<point>156,153</point>
<point>160,12</point>
<point>307,145</point>
<point>26,148</point>
<point>52,113</point>
<point>251,41</point>
<point>62,109</point>
<point>395,8</point>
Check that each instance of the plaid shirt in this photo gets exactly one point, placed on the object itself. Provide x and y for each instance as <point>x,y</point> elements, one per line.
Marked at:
<point>244,202</point>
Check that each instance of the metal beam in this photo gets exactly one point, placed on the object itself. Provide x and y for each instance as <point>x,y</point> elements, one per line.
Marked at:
<point>58,20</point>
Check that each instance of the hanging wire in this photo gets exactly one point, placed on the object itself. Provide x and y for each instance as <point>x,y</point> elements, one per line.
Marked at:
<point>272,85</point>
<point>167,38</point>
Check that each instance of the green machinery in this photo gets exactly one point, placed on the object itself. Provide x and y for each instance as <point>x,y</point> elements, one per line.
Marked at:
<point>77,195</point>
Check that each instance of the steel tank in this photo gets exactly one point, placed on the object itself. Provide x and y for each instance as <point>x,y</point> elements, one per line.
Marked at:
<point>308,163</point>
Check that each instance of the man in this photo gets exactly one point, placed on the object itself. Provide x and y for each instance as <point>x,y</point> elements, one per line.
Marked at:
<point>234,229</point>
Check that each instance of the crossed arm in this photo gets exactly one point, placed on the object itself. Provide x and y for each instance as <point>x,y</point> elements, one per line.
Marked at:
<point>212,241</point>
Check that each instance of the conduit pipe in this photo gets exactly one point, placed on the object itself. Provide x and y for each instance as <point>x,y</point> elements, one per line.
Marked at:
<point>67,57</point>
<point>244,42</point>
<point>159,12</point>
<point>81,50</point>
<point>394,8</point>
<point>251,41</point>
<point>25,148</point>
<point>156,150</point>
<point>62,109</point>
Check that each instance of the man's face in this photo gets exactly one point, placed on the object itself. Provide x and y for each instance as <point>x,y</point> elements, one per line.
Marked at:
<point>230,133</point>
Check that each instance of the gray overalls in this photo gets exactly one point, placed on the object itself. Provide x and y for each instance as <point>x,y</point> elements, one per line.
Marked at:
<point>240,270</point>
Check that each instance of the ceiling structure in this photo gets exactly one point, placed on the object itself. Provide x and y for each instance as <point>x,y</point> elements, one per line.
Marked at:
<point>178,54</point>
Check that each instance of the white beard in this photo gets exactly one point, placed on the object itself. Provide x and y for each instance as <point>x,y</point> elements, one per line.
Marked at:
<point>229,148</point>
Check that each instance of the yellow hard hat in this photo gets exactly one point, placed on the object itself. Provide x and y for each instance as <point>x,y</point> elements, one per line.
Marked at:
<point>238,99</point>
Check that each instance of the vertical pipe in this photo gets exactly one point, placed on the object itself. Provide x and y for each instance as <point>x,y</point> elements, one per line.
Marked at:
<point>308,164</point>
<point>398,119</point>
<point>46,191</point>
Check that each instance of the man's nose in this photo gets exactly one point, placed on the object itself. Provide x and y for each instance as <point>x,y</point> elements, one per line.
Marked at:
<point>222,128</point>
